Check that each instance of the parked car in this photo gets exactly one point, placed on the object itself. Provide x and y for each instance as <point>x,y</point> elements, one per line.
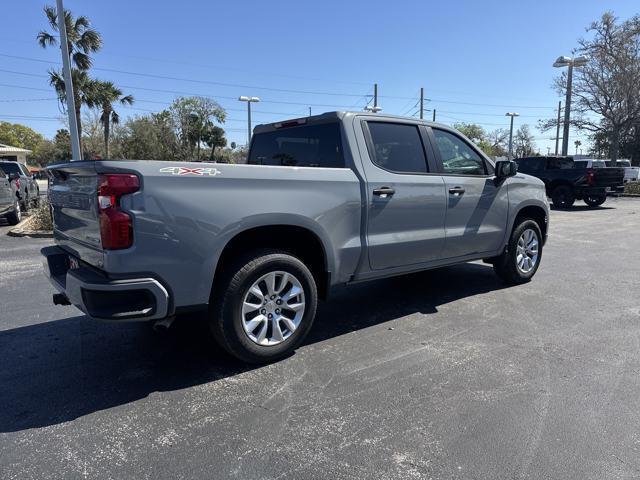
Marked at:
<point>324,201</point>
<point>567,180</point>
<point>9,203</point>
<point>27,188</point>
<point>631,173</point>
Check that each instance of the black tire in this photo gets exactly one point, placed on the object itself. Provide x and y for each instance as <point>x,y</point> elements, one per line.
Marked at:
<point>595,200</point>
<point>506,266</point>
<point>563,196</point>
<point>15,216</point>
<point>225,317</point>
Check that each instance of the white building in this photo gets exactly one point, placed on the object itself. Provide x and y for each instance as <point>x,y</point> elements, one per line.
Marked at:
<point>16,154</point>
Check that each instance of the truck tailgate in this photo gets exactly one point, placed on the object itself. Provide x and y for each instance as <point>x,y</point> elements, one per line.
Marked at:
<point>608,177</point>
<point>74,201</point>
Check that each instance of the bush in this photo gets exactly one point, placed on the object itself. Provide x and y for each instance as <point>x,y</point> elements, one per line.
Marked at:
<point>632,187</point>
<point>40,218</point>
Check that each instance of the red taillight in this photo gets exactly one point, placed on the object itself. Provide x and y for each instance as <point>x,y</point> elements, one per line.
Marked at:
<point>116,230</point>
<point>17,180</point>
<point>590,177</point>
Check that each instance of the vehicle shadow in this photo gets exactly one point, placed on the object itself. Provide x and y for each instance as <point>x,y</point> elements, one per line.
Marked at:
<point>581,208</point>
<point>58,371</point>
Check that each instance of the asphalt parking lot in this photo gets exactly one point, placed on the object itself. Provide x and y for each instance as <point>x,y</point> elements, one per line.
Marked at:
<point>443,374</point>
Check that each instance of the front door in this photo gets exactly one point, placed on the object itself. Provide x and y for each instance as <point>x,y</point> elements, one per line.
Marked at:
<point>405,198</point>
<point>477,205</point>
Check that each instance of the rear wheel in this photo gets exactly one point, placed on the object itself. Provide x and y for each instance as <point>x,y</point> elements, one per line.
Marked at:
<point>264,306</point>
<point>520,260</point>
<point>595,200</point>
<point>15,216</point>
<point>563,196</point>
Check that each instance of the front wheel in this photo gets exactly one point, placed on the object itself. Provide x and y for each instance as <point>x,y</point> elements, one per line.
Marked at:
<point>264,306</point>
<point>595,200</point>
<point>521,259</point>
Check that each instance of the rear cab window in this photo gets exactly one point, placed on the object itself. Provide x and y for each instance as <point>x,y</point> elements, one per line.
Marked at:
<point>317,145</point>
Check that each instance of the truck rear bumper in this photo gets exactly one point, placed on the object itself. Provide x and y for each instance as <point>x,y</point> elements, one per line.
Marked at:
<point>102,298</point>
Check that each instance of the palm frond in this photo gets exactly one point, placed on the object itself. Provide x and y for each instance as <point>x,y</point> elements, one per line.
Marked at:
<point>127,100</point>
<point>81,23</point>
<point>115,118</point>
<point>52,16</point>
<point>89,41</point>
<point>45,39</point>
<point>81,60</point>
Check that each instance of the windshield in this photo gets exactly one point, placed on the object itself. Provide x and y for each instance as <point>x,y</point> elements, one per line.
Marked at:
<point>624,163</point>
<point>598,164</point>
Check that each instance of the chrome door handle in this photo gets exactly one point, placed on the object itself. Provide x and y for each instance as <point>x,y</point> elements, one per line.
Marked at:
<point>457,191</point>
<point>384,192</point>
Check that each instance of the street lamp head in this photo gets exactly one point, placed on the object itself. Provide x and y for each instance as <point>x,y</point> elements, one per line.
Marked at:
<point>254,99</point>
<point>512,114</point>
<point>580,61</point>
<point>562,61</point>
<point>369,108</point>
<point>248,99</point>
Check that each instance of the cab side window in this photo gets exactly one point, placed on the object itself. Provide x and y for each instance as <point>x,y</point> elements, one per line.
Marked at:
<point>458,158</point>
<point>397,147</point>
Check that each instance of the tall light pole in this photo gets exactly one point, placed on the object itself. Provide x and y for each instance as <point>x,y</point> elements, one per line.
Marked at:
<point>249,100</point>
<point>560,62</point>
<point>68,84</point>
<point>511,114</point>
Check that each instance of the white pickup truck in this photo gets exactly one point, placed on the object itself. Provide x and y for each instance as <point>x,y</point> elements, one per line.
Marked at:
<point>631,173</point>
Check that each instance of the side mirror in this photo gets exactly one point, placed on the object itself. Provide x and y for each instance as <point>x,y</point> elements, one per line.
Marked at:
<point>506,168</point>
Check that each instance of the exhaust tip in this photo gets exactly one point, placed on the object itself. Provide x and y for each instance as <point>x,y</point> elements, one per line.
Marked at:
<point>60,299</point>
<point>163,325</point>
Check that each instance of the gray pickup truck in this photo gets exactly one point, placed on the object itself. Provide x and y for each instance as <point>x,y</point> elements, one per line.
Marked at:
<point>324,201</point>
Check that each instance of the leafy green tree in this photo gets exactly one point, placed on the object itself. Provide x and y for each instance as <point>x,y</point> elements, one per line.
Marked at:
<point>105,94</point>
<point>82,40</point>
<point>191,118</point>
<point>20,136</point>
<point>472,131</point>
<point>524,144</point>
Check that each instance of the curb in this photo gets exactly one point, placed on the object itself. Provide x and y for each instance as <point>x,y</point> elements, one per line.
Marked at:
<point>24,231</point>
<point>18,232</point>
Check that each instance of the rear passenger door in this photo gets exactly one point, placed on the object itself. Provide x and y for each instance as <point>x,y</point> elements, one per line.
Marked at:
<point>405,196</point>
<point>477,206</point>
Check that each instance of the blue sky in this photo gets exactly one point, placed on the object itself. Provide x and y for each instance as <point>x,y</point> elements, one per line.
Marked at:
<point>476,60</point>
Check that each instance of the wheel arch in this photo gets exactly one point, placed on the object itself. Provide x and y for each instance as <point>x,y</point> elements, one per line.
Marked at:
<point>535,212</point>
<point>299,239</point>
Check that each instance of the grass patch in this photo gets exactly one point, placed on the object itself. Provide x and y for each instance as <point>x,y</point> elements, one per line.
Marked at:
<point>40,217</point>
<point>632,187</point>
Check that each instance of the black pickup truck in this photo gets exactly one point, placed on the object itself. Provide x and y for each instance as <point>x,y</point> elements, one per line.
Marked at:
<point>567,181</point>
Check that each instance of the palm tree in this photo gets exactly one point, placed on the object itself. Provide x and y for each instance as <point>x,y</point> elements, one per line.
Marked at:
<point>577,143</point>
<point>81,41</point>
<point>104,96</point>
<point>84,90</point>
<point>81,38</point>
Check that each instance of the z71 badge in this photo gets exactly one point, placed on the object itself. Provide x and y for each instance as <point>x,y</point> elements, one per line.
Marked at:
<point>211,172</point>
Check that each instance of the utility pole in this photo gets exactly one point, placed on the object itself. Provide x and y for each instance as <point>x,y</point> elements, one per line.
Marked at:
<point>511,114</point>
<point>68,84</point>
<point>558,126</point>
<point>249,100</point>
<point>375,96</point>
<point>434,115</point>
<point>375,108</point>
<point>421,103</point>
<point>309,111</point>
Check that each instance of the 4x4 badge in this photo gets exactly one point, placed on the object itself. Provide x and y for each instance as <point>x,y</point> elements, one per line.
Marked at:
<point>208,171</point>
